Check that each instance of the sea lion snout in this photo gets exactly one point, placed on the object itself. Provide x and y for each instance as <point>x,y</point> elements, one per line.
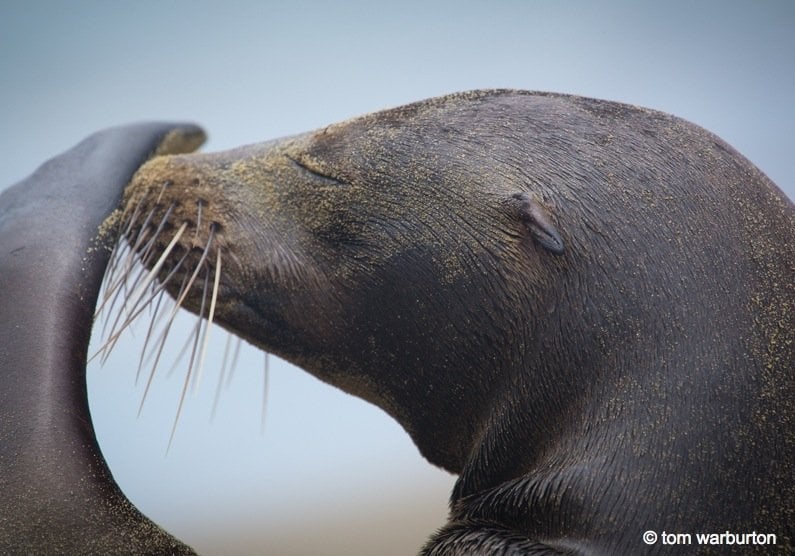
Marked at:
<point>175,189</point>
<point>172,219</point>
<point>186,214</point>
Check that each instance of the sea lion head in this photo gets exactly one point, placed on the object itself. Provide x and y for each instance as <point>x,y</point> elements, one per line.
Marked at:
<point>395,255</point>
<point>579,306</point>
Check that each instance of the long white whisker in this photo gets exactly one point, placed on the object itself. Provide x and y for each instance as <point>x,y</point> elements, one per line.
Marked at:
<point>233,365</point>
<point>197,330</point>
<point>188,374</point>
<point>149,331</point>
<point>161,341</point>
<point>221,375</point>
<point>159,264</point>
<point>136,305</point>
<point>211,315</point>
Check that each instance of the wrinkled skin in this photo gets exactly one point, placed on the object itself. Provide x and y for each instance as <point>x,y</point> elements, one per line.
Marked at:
<point>582,308</point>
<point>57,495</point>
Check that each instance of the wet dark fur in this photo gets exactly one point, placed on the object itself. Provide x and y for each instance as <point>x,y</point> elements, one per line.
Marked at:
<point>582,308</point>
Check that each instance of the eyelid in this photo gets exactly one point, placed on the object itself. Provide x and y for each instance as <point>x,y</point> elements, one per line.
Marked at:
<point>302,164</point>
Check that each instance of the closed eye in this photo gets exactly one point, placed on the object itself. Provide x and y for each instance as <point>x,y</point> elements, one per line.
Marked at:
<point>316,174</point>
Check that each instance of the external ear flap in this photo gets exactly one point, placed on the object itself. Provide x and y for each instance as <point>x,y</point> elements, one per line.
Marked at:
<point>536,219</point>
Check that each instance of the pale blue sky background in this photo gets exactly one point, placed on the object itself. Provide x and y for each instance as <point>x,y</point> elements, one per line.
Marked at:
<point>249,71</point>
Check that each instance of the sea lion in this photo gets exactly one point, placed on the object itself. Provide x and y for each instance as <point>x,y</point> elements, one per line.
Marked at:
<point>583,308</point>
<point>56,492</point>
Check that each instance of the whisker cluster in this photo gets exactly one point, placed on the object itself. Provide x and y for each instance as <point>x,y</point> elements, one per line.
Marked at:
<point>153,242</point>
